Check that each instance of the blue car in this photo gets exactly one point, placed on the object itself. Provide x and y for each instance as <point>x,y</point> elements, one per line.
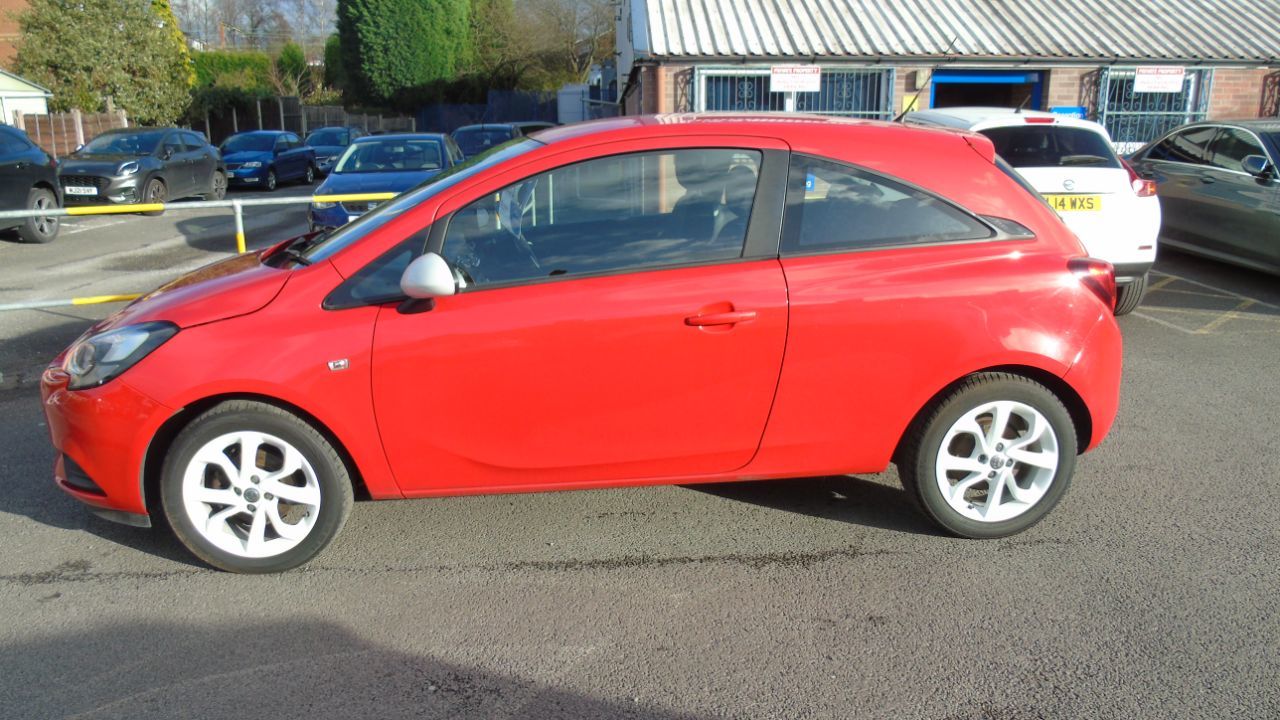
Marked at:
<point>381,164</point>
<point>330,143</point>
<point>266,158</point>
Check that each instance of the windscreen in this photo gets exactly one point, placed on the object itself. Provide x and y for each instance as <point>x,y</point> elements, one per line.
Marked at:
<point>1028,146</point>
<point>391,156</point>
<point>132,143</point>
<point>473,141</point>
<point>328,136</point>
<point>248,143</point>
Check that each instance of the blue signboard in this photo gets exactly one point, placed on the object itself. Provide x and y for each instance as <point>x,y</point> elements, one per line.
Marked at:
<point>1076,111</point>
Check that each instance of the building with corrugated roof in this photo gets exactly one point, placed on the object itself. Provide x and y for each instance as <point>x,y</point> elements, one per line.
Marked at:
<point>1138,66</point>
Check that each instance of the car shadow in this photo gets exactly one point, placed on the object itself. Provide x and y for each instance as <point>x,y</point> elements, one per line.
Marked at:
<point>291,668</point>
<point>1225,282</point>
<point>844,498</point>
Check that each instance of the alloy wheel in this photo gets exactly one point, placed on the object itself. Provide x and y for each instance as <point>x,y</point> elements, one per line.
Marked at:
<point>997,461</point>
<point>251,494</point>
<point>46,225</point>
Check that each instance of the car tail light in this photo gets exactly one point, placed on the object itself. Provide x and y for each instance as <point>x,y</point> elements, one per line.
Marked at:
<point>1097,275</point>
<point>1142,187</point>
<point>1040,120</point>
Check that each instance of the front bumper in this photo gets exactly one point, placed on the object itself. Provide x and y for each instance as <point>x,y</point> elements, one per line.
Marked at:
<point>112,190</point>
<point>247,176</point>
<point>328,218</point>
<point>101,436</point>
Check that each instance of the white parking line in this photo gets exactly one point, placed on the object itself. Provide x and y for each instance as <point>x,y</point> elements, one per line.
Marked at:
<point>1218,317</point>
<point>1224,292</point>
<point>73,229</point>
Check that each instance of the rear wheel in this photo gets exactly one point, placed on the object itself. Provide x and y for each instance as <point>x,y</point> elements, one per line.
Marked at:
<point>272,181</point>
<point>155,191</point>
<point>251,488</point>
<point>40,229</point>
<point>1130,294</point>
<point>310,176</point>
<point>992,458</point>
<point>219,190</point>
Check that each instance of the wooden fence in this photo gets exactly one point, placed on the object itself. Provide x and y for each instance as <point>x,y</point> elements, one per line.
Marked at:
<point>61,133</point>
<point>287,113</point>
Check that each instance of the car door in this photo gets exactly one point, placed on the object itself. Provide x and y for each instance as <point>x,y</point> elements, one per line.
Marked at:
<point>15,171</point>
<point>204,161</point>
<point>1240,207</point>
<point>178,164</point>
<point>283,160</point>
<point>612,326</point>
<point>1174,164</point>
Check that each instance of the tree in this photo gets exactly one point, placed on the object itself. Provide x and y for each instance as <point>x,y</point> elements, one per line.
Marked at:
<point>389,46</point>
<point>87,51</point>
<point>496,49</point>
<point>569,35</point>
<point>290,74</point>
<point>335,74</point>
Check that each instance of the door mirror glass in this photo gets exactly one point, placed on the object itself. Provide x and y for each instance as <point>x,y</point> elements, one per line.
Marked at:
<point>1256,165</point>
<point>428,276</point>
<point>166,153</point>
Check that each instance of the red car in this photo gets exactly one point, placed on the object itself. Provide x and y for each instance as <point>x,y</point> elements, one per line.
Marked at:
<point>636,301</point>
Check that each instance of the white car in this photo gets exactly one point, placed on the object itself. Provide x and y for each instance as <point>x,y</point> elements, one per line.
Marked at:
<point>1072,163</point>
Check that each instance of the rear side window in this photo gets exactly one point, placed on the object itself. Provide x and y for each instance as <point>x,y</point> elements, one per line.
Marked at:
<point>833,207</point>
<point>1185,146</point>
<point>1052,146</point>
<point>1232,146</point>
<point>11,143</point>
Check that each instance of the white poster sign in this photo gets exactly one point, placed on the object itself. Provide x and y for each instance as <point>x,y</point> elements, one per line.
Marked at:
<point>1159,79</point>
<point>795,78</point>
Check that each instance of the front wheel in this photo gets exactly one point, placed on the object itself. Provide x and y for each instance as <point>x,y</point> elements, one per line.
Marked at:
<point>310,177</point>
<point>1130,294</point>
<point>155,191</point>
<point>991,458</point>
<point>219,186</point>
<point>40,229</point>
<point>250,488</point>
<point>272,181</point>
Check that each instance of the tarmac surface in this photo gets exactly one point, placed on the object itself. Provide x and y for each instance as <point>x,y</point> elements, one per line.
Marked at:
<point>1150,592</point>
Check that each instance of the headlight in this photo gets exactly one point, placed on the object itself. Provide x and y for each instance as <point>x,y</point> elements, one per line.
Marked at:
<point>254,164</point>
<point>128,168</point>
<point>96,359</point>
<point>322,205</point>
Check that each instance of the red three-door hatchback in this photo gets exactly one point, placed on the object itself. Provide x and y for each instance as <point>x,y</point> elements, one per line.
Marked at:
<point>643,300</point>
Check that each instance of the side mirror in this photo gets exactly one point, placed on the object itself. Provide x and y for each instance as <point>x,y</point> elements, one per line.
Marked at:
<point>428,276</point>
<point>1256,165</point>
<point>166,154</point>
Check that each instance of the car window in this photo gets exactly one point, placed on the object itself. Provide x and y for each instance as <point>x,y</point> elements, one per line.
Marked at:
<point>379,281</point>
<point>328,136</point>
<point>834,207</point>
<point>608,215</point>
<point>1232,146</point>
<point>1184,146</point>
<point>172,145</point>
<point>193,141</point>
<point>281,144</point>
<point>476,140</point>
<point>399,155</point>
<point>1051,146</point>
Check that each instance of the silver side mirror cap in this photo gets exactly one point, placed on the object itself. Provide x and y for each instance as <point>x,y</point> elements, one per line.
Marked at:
<point>1256,165</point>
<point>428,276</point>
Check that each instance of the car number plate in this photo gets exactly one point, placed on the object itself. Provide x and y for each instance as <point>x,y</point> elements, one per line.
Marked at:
<point>80,190</point>
<point>1074,203</point>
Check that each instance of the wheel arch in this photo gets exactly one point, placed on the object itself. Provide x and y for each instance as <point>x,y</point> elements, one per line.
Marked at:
<point>162,440</point>
<point>1081,418</point>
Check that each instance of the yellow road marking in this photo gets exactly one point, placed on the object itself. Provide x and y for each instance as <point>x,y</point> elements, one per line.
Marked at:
<point>1225,317</point>
<point>115,209</point>
<point>353,197</point>
<point>97,299</point>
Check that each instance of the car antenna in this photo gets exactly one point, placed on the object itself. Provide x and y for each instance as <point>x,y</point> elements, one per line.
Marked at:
<point>1022,104</point>
<point>916,97</point>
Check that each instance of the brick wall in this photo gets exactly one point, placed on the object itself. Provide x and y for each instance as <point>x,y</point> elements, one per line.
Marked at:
<point>1237,93</point>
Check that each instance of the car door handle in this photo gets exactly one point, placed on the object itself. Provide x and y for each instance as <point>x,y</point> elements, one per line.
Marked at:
<point>1207,180</point>
<point>722,318</point>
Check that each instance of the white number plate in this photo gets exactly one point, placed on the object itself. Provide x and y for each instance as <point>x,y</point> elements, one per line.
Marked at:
<point>80,190</point>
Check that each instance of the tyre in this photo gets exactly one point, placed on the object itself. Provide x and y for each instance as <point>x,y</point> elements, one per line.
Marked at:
<point>251,488</point>
<point>991,458</point>
<point>40,229</point>
<point>219,187</point>
<point>272,181</point>
<point>310,177</point>
<point>155,191</point>
<point>1129,295</point>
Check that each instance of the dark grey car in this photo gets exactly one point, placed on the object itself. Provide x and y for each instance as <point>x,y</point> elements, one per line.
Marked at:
<point>143,165</point>
<point>1219,190</point>
<point>28,181</point>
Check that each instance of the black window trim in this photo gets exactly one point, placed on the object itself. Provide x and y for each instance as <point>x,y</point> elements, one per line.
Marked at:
<point>763,228</point>
<point>794,199</point>
<point>1217,130</point>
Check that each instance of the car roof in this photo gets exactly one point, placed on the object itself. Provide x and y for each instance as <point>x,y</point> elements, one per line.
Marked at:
<point>486,126</point>
<point>981,118</point>
<point>438,137</point>
<point>1267,125</point>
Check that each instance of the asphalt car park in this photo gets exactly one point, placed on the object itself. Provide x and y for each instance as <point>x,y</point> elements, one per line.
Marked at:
<point>1149,592</point>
